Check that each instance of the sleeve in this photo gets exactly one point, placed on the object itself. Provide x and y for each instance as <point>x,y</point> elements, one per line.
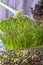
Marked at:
<point>3,11</point>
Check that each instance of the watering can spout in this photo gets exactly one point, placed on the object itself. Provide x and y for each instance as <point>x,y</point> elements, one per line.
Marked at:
<point>15,12</point>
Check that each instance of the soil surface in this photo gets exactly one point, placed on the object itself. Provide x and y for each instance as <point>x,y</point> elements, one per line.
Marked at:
<point>22,57</point>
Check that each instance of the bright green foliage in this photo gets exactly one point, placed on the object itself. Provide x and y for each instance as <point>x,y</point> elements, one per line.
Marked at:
<point>20,33</point>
